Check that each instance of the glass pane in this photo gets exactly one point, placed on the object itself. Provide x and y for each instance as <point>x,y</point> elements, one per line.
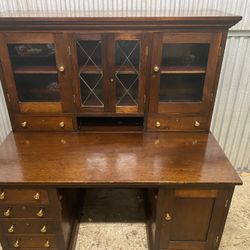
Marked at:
<point>127,72</point>
<point>127,89</point>
<point>32,55</point>
<point>37,87</point>
<point>181,87</point>
<point>127,53</point>
<point>185,54</point>
<point>89,52</point>
<point>89,55</point>
<point>91,89</point>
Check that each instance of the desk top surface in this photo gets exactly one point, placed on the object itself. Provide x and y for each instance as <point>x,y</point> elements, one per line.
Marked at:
<point>118,158</point>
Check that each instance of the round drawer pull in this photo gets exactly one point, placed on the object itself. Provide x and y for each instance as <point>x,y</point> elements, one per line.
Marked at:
<point>37,196</point>
<point>7,213</point>
<point>157,124</point>
<point>167,217</point>
<point>24,124</point>
<point>40,213</point>
<point>2,196</point>
<point>16,244</point>
<point>47,244</point>
<point>62,124</point>
<point>43,229</point>
<point>11,229</point>
<point>61,69</point>
<point>156,68</point>
<point>197,124</point>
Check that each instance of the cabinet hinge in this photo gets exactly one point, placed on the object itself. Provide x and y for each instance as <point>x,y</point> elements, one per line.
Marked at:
<point>146,51</point>
<point>226,203</point>
<point>145,99</point>
<point>69,51</point>
<point>217,239</point>
<point>74,98</point>
<point>220,51</point>
<point>8,97</point>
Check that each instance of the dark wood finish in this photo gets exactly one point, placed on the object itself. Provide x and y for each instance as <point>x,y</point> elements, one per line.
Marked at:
<point>11,196</point>
<point>38,123</point>
<point>188,179</point>
<point>71,159</point>
<point>193,221</point>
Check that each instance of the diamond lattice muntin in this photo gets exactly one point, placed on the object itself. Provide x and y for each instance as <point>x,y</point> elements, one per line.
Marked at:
<point>90,73</point>
<point>127,75</point>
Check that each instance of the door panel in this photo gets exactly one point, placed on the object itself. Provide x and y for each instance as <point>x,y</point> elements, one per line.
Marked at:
<point>35,77</point>
<point>183,72</point>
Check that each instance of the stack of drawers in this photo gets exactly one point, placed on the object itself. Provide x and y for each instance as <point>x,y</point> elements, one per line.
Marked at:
<point>30,219</point>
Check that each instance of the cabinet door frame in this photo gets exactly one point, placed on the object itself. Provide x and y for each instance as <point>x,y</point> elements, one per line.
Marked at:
<point>108,65</point>
<point>166,203</point>
<point>59,40</point>
<point>202,107</point>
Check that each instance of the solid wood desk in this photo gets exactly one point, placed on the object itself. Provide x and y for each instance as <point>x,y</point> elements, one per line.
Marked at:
<point>187,178</point>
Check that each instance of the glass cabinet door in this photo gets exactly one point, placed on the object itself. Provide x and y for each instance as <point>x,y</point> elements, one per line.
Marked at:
<point>183,71</point>
<point>35,74</point>
<point>127,69</point>
<point>108,70</point>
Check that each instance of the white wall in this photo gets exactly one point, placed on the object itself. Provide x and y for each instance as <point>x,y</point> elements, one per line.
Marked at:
<point>231,118</point>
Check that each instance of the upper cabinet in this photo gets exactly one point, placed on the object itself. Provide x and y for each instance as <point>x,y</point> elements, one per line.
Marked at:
<point>131,71</point>
<point>183,73</point>
<point>109,73</point>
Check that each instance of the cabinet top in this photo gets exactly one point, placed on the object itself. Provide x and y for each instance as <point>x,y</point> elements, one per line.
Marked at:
<point>117,159</point>
<point>14,20</point>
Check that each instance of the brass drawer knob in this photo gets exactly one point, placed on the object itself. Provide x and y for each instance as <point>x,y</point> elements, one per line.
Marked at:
<point>157,124</point>
<point>167,217</point>
<point>7,213</point>
<point>197,124</point>
<point>2,196</point>
<point>43,229</point>
<point>156,68</point>
<point>40,213</point>
<point>24,124</point>
<point>37,196</point>
<point>62,124</point>
<point>11,229</point>
<point>61,69</point>
<point>47,244</point>
<point>16,244</point>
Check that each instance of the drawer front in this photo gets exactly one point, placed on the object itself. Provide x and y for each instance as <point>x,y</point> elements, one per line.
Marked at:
<point>182,123</point>
<point>41,242</point>
<point>23,211</point>
<point>36,196</point>
<point>47,123</point>
<point>28,226</point>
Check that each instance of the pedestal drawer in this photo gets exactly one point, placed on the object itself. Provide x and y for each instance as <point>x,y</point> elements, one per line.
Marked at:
<point>41,242</point>
<point>25,196</point>
<point>28,226</point>
<point>23,211</point>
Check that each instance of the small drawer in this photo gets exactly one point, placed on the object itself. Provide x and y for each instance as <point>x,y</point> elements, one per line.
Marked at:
<point>28,226</point>
<point>41,242</point>
<point>40,123</point>
<point>24,211</point>
<point>12,196</point>
<point>182,123</point>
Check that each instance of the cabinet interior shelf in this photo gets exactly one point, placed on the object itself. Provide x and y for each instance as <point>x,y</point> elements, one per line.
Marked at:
<point>36,70</point>
<point>183,70</point>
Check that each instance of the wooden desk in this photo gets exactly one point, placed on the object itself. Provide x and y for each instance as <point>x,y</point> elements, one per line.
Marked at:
<point>187,178</point>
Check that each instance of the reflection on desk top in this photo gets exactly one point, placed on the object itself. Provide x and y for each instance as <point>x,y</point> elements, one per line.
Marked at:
<point>118,158</point>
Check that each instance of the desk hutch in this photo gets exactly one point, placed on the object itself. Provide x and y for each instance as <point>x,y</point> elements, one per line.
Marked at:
<point>112,100</point>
